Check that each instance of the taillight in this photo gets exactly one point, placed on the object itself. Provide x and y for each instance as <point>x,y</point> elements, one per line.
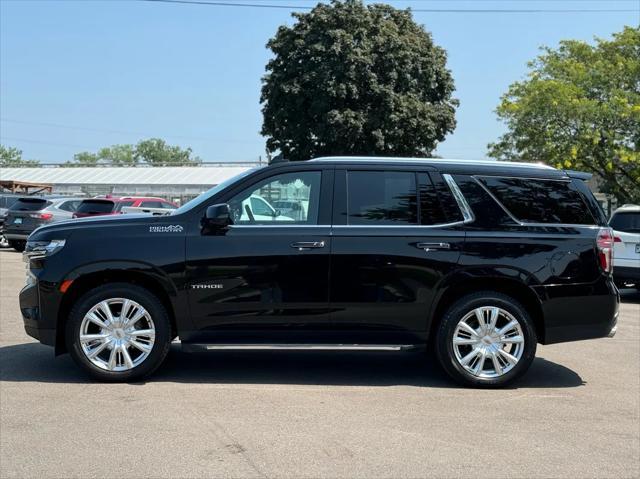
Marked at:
<point>617,239</point>
<point>604,242</point>
<point>42,216</point>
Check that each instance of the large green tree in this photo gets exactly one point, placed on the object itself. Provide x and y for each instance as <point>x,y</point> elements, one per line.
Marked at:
<point>12,157</point>
<point>152,152</point>
<point>579,108</point>
<point>355,79</point>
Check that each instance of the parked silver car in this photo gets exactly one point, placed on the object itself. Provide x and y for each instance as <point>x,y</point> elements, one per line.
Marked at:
<point>30,212</point>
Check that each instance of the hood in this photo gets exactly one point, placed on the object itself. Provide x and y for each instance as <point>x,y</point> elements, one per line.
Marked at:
<point>63,229</point>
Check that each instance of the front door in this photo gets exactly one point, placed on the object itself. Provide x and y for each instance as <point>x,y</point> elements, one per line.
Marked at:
<point>268,273</point>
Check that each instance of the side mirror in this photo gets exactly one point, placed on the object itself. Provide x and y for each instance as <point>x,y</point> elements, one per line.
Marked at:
<point>218,216</point>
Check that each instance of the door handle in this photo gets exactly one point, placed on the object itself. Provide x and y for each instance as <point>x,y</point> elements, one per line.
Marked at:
<point>433,246</point>
<point>304,245</point>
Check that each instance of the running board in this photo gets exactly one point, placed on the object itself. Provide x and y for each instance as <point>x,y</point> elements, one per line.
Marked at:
<point>196,347</point>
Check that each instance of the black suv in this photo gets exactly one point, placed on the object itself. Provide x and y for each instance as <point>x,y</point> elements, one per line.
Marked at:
<point>478,261</point>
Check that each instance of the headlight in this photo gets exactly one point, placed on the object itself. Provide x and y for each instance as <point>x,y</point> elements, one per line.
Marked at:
<point>42,249</point>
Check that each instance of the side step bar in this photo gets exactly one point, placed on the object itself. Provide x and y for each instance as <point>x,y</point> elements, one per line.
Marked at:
<point>196,347</point>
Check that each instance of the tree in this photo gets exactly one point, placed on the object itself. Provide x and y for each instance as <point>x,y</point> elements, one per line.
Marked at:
<point>12,157</point>
<point>579,108</point>
<point>355,79</point>
<point>153,152</point>
<point>84,158</point>
<point>156,152</point>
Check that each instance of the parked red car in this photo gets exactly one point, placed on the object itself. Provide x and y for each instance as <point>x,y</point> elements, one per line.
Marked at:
<point>114,205</point>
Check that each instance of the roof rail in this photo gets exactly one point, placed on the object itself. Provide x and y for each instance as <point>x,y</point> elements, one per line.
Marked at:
<point>434,161</point>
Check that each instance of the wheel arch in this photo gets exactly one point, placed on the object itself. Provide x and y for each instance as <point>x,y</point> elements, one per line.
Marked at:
<point>510,286</point>
<point>90,280</point>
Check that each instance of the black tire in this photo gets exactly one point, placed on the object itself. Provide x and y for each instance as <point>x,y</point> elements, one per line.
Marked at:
<point>148,301</point>
<point>18,245</point>
<point>444,340</point>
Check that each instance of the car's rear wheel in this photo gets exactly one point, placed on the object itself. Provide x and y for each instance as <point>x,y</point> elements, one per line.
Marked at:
<point>486,339</point>
<point>118,332</point>
<point>18,245</point>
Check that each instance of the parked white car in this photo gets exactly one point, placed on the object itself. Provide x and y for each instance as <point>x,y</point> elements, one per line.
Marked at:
<point>256,208</point>
<point>625,222</point>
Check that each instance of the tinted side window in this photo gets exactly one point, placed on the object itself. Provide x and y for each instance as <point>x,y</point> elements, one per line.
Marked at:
<point>151,204</point>
<point>445,197</point>
<point>69,205</point>
<point>487,212</point>
<point>381,197</point>
<point>540,201</point>
<point>122,204</point>
<point>431,212</point>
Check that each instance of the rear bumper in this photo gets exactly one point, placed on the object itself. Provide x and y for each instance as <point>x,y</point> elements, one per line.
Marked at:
<point>16,236</point>
<point>626,274</point>
<point>579,311</point>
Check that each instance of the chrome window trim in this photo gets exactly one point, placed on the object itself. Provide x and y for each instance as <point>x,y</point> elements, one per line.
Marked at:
<point>298,225</point>
<point>537,178</point>
<point>439,225</point>
<point>524,223</point>
<point>465,209</point>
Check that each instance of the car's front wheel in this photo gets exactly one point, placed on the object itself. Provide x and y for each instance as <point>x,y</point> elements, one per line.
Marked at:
<point>118,332</point>
<point>486,339</point>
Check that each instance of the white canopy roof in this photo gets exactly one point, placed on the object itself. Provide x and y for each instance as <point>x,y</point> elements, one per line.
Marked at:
<point>181,175</point>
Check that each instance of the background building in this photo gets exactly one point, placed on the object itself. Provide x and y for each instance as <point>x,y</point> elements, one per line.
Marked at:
<point>178,184</point>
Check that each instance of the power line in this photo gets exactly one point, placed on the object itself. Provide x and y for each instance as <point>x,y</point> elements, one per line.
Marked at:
<point>120,132</point>
<point>27,140</point>
<point>415,10</point>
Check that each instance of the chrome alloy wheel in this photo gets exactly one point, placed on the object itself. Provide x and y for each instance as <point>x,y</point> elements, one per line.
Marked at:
<point>117,334</point>
<point>488,342</point>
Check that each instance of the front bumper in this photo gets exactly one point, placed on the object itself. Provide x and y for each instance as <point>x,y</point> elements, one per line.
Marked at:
<point>31,311</point>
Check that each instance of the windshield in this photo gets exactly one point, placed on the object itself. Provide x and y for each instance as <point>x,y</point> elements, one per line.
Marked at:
<point>626,222</point>
<point>198,200</point>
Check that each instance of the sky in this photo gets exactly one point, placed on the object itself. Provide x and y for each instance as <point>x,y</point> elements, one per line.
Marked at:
<point>77,75</point>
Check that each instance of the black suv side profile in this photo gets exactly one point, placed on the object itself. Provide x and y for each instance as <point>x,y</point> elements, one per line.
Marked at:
<point>477,261</point>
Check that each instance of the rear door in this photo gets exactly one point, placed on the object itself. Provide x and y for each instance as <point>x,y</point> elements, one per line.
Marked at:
<point>393,242</point>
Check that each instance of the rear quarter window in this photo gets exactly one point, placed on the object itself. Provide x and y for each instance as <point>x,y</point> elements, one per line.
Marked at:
<point>533,200</point>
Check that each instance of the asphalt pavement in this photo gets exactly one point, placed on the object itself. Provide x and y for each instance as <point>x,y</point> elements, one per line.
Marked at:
<point>317,415</point>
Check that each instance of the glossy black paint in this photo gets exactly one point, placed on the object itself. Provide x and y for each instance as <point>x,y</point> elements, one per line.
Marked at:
<point>365,284</point>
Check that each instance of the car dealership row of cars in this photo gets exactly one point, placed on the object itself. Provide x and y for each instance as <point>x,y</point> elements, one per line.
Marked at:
<point>20,215</point>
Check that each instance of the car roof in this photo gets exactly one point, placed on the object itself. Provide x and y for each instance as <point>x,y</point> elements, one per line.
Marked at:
<point>488,167</point>
<point>628,209</point>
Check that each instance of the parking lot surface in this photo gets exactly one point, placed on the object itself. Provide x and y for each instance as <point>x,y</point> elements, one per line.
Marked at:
<point>296,415</point>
